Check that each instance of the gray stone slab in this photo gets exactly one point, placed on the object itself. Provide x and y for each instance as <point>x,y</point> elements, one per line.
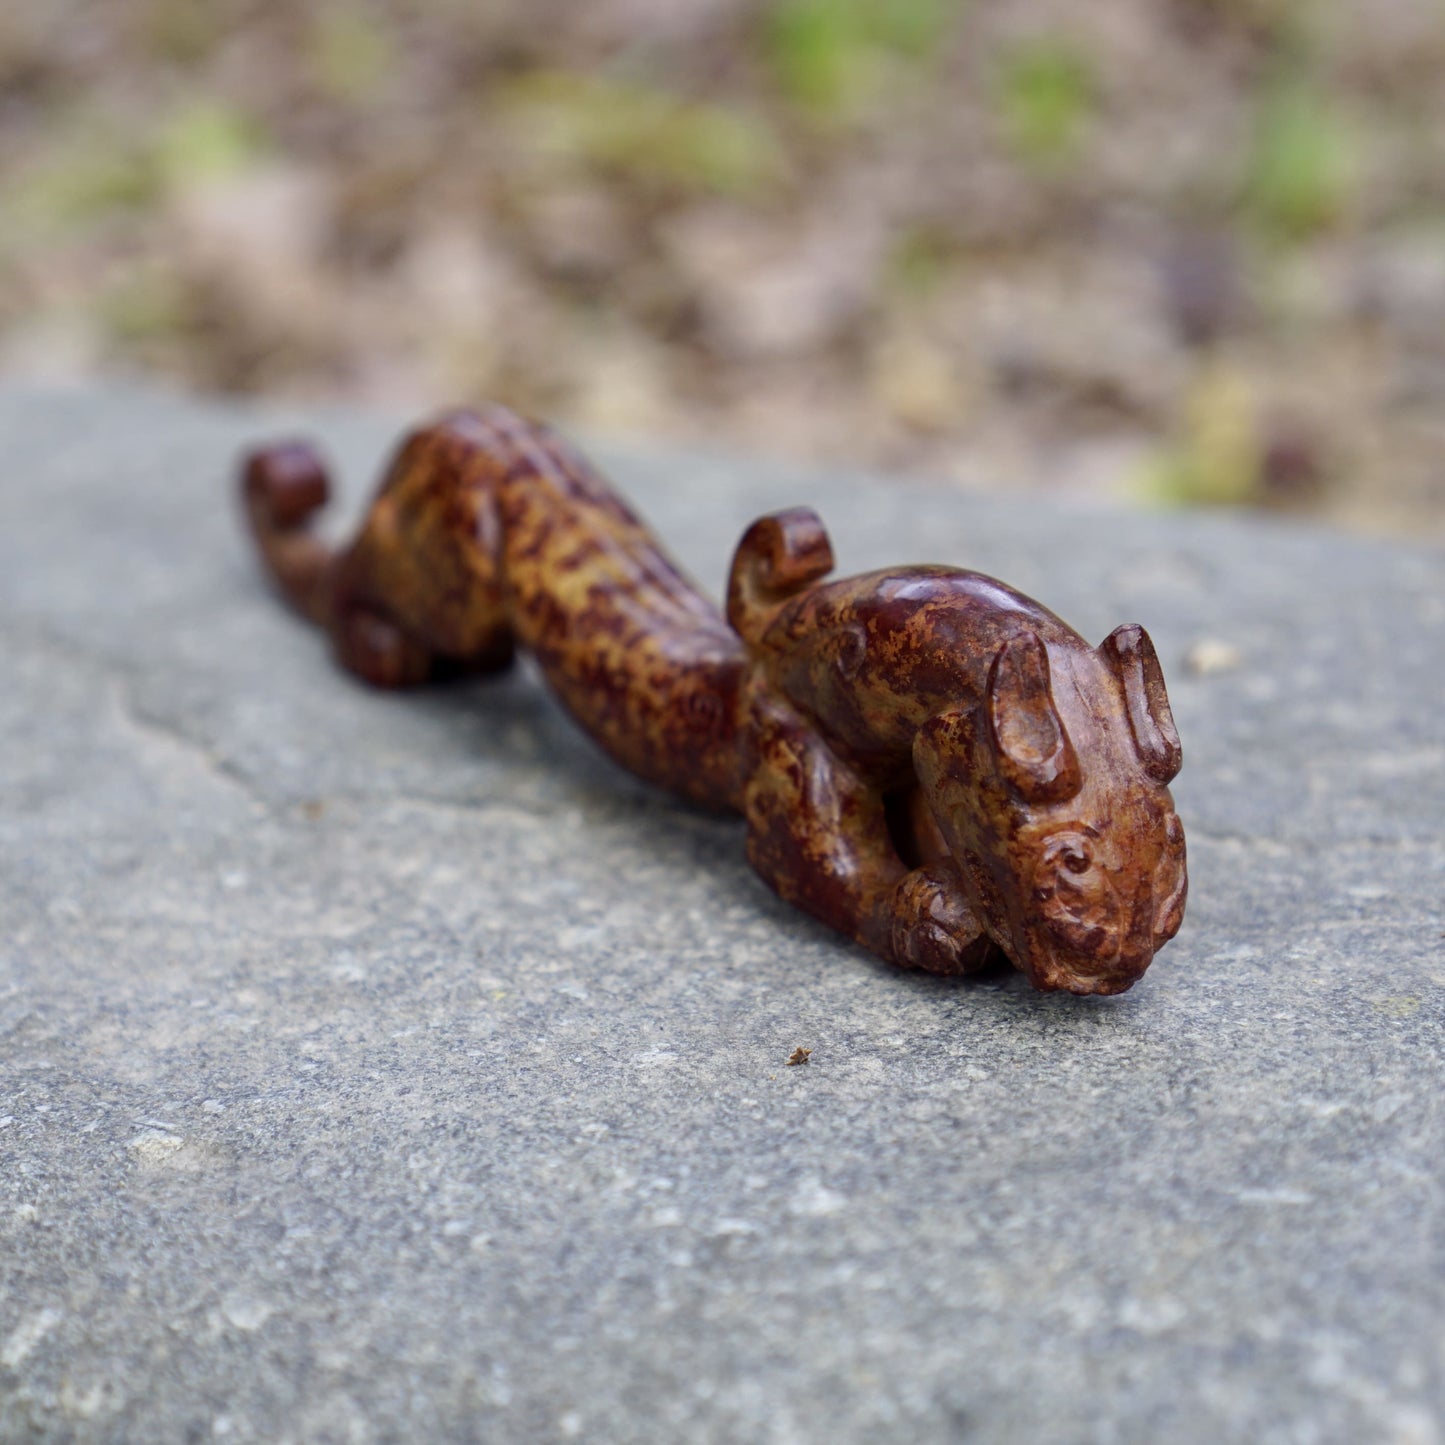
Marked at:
<point>393,1068</point>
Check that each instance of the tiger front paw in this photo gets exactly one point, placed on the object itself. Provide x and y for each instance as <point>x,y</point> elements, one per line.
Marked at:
<point>929,926</point>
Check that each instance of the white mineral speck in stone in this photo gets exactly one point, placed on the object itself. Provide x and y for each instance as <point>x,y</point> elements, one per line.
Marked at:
<point>26,1336</point>
<point>245,1311</point>
<point>813,1199</point>
<point>154,1145</point>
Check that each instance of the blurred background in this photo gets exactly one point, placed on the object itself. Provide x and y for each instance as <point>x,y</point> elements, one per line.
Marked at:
<point>1170,250</point>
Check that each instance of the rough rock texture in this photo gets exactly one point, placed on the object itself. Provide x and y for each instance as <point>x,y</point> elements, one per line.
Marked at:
<point>393,1068</point>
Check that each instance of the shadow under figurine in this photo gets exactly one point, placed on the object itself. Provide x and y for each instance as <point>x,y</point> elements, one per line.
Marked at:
<point>927,761</point>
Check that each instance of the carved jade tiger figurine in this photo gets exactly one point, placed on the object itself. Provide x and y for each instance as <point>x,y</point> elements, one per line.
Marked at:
<point>928,761</point>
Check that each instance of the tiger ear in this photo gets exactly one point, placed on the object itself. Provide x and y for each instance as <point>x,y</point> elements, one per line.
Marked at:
<point>1034,751</point>
<point>1130,653</point>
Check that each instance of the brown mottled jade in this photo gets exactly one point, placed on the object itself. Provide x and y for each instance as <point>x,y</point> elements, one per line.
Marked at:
<point>928,761</point>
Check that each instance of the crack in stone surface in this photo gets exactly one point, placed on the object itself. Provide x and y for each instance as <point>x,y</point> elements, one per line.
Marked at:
<point>171,735</point>
<point>122,682</point>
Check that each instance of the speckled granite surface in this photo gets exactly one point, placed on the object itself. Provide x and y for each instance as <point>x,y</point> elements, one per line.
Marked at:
<point>392,1068</point>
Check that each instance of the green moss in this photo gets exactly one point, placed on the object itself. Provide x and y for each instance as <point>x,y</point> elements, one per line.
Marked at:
<point>1044,94</point>
<point>1299,173</point>
<point>831,57</point>
<point>82,178</point>
<point>646,134</point>
<point>203,138</point>
<point>1216,455</point>
<point>95,169</point>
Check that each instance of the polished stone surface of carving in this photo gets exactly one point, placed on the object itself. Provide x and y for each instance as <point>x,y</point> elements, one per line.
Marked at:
<point>926,759</point>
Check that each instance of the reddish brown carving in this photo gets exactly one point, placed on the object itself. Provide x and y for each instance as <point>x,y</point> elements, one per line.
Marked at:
<point>927,760</point>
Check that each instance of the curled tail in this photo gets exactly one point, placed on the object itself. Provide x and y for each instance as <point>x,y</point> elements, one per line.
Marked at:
<point>779,556</point>
<point>282,486</point>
